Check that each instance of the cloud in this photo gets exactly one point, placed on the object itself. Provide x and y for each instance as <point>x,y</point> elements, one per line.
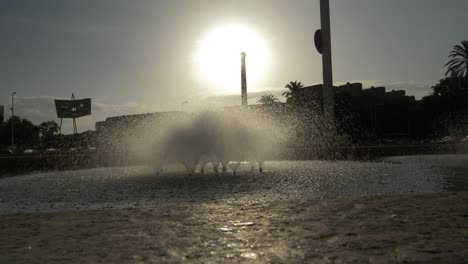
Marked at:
<point>200,103</point>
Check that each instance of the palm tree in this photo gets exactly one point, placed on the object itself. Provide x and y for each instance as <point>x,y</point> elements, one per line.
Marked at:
<point>293,89</point>
<point>268,100</point>
<point>458,63</point>
<point>457,67</point>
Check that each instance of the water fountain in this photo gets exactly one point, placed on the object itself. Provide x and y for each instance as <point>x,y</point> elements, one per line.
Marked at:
<point>221,139</point>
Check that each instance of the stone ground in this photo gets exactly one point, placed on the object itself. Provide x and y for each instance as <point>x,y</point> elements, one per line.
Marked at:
<point>424,228</point>
<point>398,210</point>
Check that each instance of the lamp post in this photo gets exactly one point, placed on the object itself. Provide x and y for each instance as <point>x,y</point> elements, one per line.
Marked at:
<point>185,102</point>
<point>13,120</point>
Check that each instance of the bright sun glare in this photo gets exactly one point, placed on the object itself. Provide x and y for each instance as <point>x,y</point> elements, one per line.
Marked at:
<point>218,57</point>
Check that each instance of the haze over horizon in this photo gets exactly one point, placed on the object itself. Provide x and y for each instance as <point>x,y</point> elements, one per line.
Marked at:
<point>140,56</point>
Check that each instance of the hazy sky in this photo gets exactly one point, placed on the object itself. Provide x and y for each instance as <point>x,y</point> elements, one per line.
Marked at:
<point>134,56</point>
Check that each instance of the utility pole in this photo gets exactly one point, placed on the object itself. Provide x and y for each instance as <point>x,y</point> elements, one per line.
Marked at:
<point>328,93</point>
<point>243,80</point>
<point>13,120</point>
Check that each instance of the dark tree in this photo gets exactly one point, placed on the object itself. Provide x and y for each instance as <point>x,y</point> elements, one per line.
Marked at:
<point>450,87</point>
<point>446,107</point>
<point>457,66</point>
<point>26,133</point>
<point>293,88</point>
<point>48,130</point>
<point>269,99</point>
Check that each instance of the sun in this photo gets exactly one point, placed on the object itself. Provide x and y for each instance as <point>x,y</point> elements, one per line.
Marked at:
<point>218,57</point>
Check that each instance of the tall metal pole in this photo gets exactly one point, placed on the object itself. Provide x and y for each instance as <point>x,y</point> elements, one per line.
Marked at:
<point>328,97</point>
<point>243,80</point>
<point>13,120</point>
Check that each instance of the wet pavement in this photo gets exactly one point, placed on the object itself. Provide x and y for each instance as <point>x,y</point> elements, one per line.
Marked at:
<point>396,210</point>
<point>423,228</point>
<point>286,180</point>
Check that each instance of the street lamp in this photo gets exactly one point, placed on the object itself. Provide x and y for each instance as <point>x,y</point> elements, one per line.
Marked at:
<point>13,120</point>
<point>185,102</point>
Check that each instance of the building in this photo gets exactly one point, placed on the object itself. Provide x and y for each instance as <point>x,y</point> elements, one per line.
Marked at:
<point>136,128</point>
<point>354,90</point>
<point>366,113</point>
<point>362,114</point>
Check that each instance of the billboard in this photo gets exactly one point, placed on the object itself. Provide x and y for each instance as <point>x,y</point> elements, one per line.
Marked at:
<point>73,108</point>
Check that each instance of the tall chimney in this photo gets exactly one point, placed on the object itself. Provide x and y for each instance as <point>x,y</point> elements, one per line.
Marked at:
<point>243,80</point>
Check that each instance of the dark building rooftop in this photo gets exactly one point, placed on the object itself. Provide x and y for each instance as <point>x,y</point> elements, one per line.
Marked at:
<point>133,120</point>
<point>355,90</point>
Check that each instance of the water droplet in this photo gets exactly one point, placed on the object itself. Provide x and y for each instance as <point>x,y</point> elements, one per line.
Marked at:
<point>249,255</point>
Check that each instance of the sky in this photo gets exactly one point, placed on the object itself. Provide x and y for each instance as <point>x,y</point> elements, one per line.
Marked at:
<point>138,56</point>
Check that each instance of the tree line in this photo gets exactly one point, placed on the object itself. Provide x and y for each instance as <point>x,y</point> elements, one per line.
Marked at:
<point>26,133</point>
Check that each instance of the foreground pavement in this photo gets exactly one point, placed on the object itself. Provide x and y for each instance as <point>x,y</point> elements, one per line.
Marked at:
<point>422,228</point>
